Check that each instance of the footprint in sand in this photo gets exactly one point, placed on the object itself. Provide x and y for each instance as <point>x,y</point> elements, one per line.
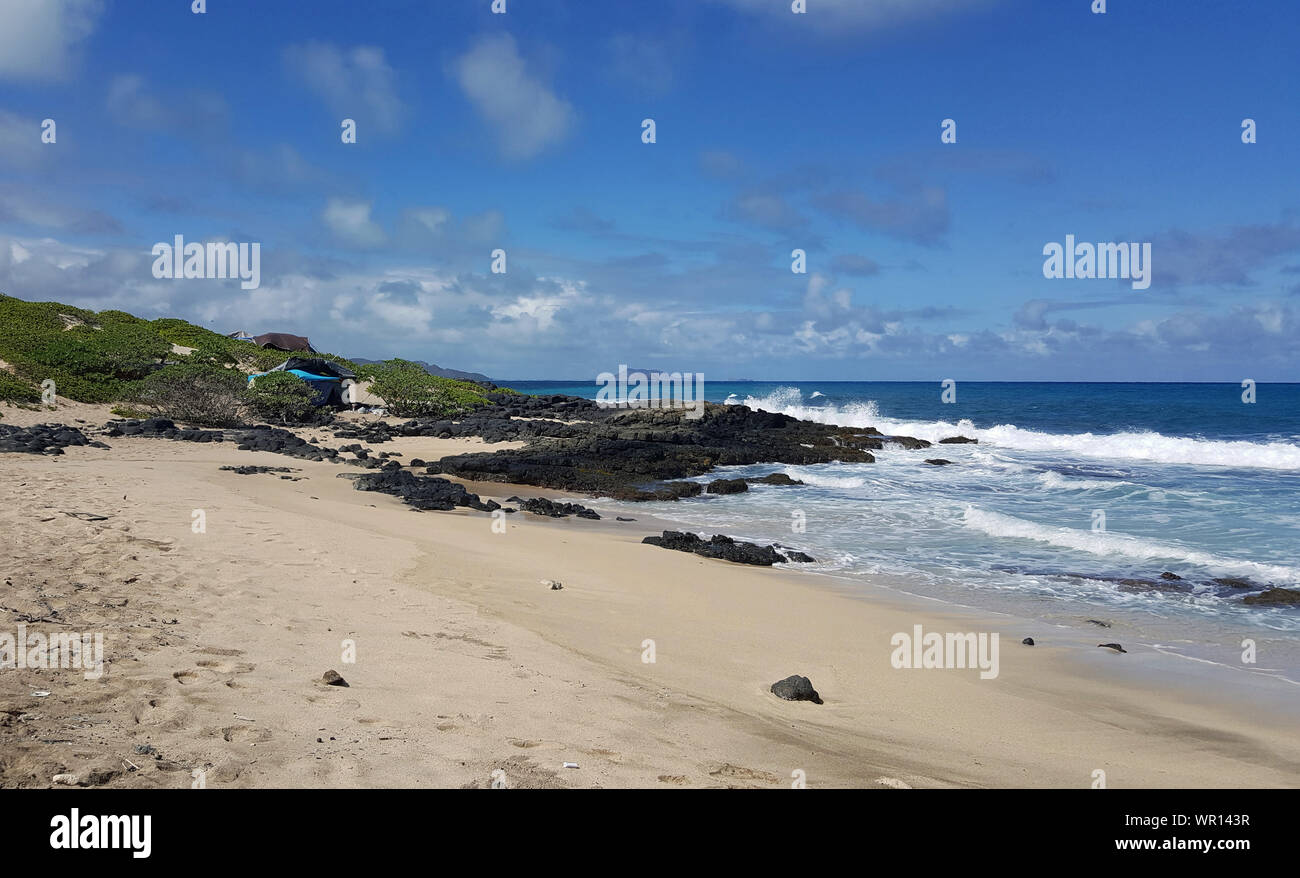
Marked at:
<point>739,772</point>
<point>140,711</point>
<point>215,650</point>
<point>242,734</point>
<point>226,667</point>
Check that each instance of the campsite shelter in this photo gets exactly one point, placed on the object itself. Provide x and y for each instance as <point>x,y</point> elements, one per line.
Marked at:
<point>325,378</point>
<point>283,341</point>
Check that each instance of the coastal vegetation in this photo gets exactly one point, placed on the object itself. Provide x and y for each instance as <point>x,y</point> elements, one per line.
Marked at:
<point>186,372</point>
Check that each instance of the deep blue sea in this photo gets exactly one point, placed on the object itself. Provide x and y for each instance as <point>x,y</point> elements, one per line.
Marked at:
<point>1071,487</point>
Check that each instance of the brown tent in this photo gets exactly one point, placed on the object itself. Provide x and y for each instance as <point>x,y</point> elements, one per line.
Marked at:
<point>283,341</point>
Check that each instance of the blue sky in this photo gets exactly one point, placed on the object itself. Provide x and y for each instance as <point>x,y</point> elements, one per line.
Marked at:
<point>775,131</point>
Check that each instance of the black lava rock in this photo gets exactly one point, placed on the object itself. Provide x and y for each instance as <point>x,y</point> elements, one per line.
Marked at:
<point>1274,597</point>
<point>725,549</point>
<point>796,688</point>
<point>774,479</point>
<point>554,509</point>
<point>41,439</point>
<point>420,492</point>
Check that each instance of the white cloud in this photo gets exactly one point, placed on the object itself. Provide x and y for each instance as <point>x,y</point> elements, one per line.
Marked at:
<point>37,37</point>
<point>128,101</point>
<point>527,115</point>
<point>20,140</point>
<point>16,206</point>
<point>355,83</point>
<point>538,312</point>
<point>351,223</point>
<point>188,113</point>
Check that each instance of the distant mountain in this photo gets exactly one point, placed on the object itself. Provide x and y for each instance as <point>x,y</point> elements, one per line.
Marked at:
<point>435,370</point>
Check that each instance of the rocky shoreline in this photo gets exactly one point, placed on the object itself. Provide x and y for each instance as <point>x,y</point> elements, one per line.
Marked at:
<point>572,444</point>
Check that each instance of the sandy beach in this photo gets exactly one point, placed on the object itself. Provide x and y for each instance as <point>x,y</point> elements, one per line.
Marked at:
<point>468,668</point>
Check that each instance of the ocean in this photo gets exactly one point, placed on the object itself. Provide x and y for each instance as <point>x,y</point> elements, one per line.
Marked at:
<point>1071,488</point>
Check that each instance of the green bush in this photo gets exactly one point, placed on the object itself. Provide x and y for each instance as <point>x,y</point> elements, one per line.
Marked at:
<point>205,396</point>
<point>411,392</point>
<point>114,356</point>
<point>15,389</point>
<point>281,397</point>
<point>212,355</point>
<point>89,360</point>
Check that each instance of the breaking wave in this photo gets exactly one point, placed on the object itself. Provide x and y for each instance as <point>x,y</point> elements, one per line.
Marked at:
<point>1134,446</point>
<point>996,524</point>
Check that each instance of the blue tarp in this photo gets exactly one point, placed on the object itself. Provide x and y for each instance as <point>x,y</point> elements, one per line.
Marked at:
<point>323,385</point>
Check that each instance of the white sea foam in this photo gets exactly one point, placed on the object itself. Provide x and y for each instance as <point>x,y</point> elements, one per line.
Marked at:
<point>1136,446</point>
<point>1053,480</point>
<point>1110,544</point>
<point>821,480</point>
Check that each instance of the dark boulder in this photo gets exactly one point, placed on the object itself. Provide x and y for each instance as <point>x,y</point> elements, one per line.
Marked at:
<point>421,493</point>
<point>796,688</point>
<point>774,479</point>
<point>725,548</point>
<point>728,486</point>
<point>553,508</point>
<point>41,439</point>
<point>1274,597</point>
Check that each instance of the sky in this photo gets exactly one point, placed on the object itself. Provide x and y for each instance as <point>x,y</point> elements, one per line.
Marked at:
<point>774,131</point>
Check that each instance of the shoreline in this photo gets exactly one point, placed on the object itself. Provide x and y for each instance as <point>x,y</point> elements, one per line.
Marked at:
<point>524,678</point>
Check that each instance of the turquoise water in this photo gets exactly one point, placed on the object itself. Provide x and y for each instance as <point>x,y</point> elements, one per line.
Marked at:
<point>1071,487</point>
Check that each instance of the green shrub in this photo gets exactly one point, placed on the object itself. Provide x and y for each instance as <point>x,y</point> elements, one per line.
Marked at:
<point>111,357</point>
<point>195,394</point>
<point>126,411</point>
<point>281,397</point>
<point>89,360</point>
<point>105,318</point>
<point>15,389</point>
<point>411,392</point>
<point>212,355</point>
